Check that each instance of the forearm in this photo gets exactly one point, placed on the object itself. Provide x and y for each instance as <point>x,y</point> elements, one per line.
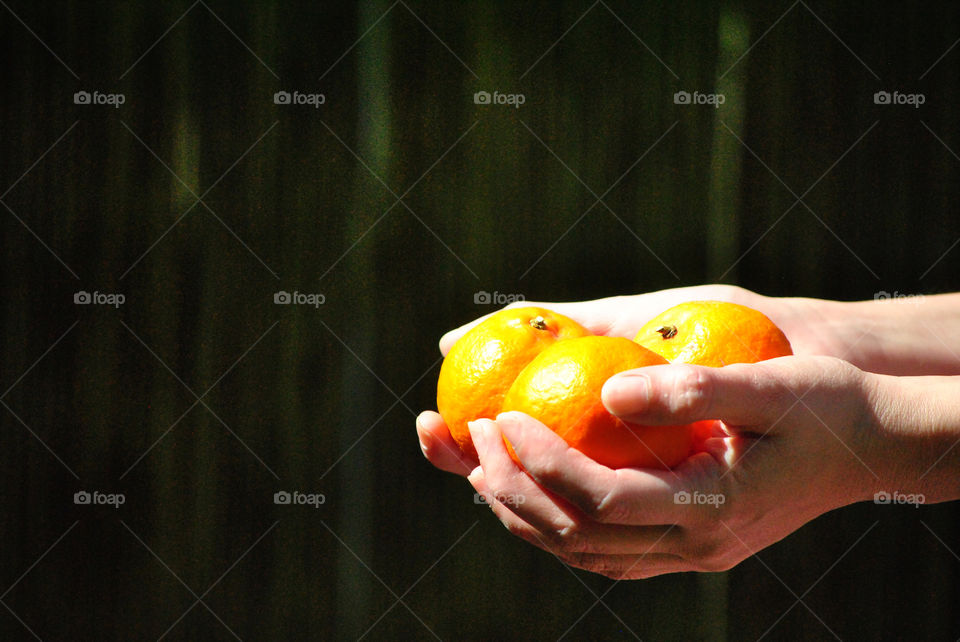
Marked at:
<point>897,336</point>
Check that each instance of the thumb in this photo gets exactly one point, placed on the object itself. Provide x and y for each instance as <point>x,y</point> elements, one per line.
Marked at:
<point>741,395</point>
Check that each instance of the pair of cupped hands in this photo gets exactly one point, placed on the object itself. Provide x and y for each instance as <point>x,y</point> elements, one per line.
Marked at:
<point>784,449</point>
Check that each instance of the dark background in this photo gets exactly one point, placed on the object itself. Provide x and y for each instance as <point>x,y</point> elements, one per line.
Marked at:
<point>496,199</point>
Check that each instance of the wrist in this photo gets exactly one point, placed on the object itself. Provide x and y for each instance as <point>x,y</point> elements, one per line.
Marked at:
<point>825,328</point>
<point>901,336</point>
<point>913,437</point>
<point>850,329</point>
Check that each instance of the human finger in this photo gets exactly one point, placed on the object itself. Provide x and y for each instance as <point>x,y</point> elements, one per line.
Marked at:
<point>742,395</point>
<point>439,447</point>
<point>634,496</point>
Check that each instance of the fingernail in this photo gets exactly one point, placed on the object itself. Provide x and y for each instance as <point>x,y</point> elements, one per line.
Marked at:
<point>478,432</point>
<point>626,393</point>
<point>475,475</point>
<point>508,426</point>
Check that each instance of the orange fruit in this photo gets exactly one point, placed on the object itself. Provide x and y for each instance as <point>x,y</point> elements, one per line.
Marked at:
<point>561,388</point>
<point>483,363</point>
<point>716,334</point>
<point>713,333</point>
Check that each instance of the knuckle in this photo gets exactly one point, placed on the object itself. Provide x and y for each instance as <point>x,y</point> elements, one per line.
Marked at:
<point>611,509</point>
<point>692,392</point>
<point>769,387</point>
<point>572,539</point>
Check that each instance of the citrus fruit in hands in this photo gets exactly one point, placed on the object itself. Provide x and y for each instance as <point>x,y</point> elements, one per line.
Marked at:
<point>713,333</point>
<point>561,388</point>
<point>716,334</point>
<point>483,363</point>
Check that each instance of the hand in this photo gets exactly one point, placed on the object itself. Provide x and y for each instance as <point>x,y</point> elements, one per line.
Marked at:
<point>795,438</point>
<point>623,316</point>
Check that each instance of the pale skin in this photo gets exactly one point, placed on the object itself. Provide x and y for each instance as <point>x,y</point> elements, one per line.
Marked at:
<point>869,403</point>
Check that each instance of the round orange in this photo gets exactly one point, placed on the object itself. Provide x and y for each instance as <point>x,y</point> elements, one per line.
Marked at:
<point>713,333</point>
<point>561,388</point>
<point>483,363</point>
